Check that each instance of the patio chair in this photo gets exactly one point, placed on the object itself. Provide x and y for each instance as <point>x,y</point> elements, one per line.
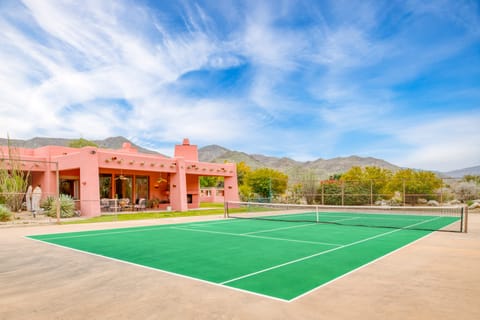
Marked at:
<point>141,205</point>
<point>114,205</point>
<point>104,204</point>
<point>125,204</point>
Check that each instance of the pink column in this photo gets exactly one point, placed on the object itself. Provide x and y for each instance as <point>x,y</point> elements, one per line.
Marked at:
<point>178,187</point>
<point>89,184</point>
<point>231,186</point>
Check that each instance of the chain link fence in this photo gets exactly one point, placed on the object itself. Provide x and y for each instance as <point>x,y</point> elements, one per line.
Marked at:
<point>375,192</point>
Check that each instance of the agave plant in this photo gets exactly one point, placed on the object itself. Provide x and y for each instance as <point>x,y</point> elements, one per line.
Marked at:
<point>67,207</point>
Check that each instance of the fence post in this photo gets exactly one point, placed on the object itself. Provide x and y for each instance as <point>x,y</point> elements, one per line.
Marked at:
<point>323,199</point>
<point>371,192</point>
<point>57,203</point>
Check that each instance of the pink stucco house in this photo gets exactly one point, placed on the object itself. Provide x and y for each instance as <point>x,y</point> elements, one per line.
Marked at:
<point>92,175</point>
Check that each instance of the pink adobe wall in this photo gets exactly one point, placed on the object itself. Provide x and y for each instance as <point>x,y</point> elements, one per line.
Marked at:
<point>85,165</point>
<point>186,150</point>
<point>212,195</point>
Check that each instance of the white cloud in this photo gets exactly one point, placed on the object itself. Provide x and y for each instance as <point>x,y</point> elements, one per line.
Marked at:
<point>100,68</point>
<point>445,143</point>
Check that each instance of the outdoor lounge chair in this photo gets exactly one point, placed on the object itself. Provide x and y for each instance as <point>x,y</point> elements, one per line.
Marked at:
<point>104,204</point>
<point>141,205</point>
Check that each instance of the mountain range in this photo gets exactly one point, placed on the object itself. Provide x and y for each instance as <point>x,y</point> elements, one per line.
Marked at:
<point>322,168</point>
<point>37,142</point>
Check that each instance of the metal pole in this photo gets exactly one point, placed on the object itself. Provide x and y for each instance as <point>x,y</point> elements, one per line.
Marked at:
<point>323,196</point>
<point>116,206</point>
<point>270,190</point>
<point>343,193</point>
<point>371,192</point>
<point>58,192</point>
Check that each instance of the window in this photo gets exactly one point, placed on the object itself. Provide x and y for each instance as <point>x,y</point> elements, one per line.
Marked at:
<point>105,186</point>
<point>123,187</point>
<point>141,187</point>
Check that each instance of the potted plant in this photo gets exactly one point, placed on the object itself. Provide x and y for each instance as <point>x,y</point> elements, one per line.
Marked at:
<point>153,203</point>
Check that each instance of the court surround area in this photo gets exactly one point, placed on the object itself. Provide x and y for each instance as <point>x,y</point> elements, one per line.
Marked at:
<point>281,254</point>
<point>436,275</point>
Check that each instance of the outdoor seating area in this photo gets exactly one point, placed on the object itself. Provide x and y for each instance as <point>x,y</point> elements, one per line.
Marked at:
<point>123,204</point>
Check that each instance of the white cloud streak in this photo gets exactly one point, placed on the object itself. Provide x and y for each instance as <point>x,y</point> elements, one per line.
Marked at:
<point>96,69</point>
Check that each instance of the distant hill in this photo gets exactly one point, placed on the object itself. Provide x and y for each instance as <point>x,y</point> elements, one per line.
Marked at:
<point>321,167</point>
<point>210,153</point>
<point>37,142</point>
<point>217,154</point>
<point>475,171</point>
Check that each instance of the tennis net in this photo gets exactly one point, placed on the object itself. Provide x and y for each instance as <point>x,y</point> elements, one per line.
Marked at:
<point>441,218</point>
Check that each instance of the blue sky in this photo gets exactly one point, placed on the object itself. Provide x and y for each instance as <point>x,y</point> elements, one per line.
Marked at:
<point>397,80</point>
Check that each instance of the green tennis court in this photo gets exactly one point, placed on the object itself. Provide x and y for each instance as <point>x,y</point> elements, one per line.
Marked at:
<point>279,259</point>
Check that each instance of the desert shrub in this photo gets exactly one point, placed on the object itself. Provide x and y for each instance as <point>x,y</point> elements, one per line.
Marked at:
<point>13,179</point>
<point>5,213</point>
<point>466,191</point>
<point>47,203</point>
<point>67,206</point>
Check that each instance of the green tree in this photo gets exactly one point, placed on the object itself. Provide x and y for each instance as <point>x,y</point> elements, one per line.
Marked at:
<point>267,183</point>
<point>80,143</point>
<point>379,177</point>
<point>362,183</point>
<point>414,184</point>
<point>209,181</point>
<point>245,192</point>
<point>243,170</point>
<point>354,174</point>
<point>331,191</point>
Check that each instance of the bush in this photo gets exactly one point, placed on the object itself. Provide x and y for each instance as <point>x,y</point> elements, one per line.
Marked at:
<point>67,206</point>
<point>47,203</point>
<point>332,193</point>
<point>5,214</point>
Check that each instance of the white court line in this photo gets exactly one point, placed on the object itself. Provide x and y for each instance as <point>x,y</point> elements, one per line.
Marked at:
<point>213,222</point>
<point>201,280</point>
<point>259,237</point>
<point>323,252</point>
<point>340,220</point>
<point>93,233</point>
<point>282,228</point>
<point>159,270</point>
<point>370,216</point>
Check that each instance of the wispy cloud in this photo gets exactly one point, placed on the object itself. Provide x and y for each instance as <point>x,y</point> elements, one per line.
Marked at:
<point>294,78</point>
